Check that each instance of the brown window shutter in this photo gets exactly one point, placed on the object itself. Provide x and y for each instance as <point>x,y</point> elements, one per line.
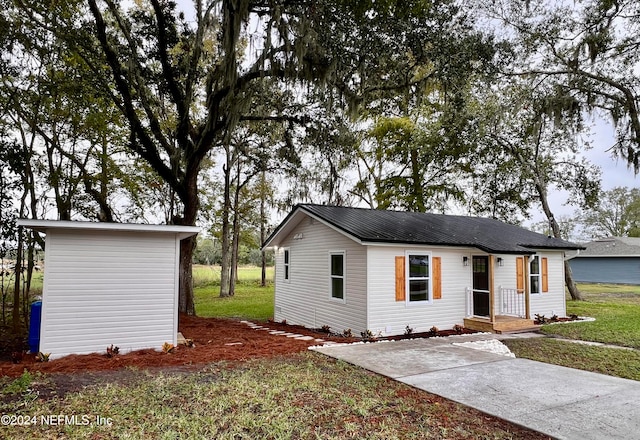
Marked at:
<point>520,274</point>
<point>400,279</point>
<point>545,275</point>
<point>436,273</point>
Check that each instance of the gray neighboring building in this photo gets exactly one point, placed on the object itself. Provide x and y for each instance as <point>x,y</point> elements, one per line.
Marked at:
<point>608,260</point>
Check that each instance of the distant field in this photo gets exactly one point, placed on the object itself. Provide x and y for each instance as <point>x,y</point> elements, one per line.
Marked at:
<point>251,301</point>
<point>210,275</point>
<point>8,282</point>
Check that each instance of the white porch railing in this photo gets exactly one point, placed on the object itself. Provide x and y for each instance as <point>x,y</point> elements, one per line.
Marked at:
<point>512,302</point>
<point>469,301</point>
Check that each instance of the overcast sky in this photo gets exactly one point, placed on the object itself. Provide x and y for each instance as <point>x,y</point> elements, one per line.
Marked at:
<point>614,171</point>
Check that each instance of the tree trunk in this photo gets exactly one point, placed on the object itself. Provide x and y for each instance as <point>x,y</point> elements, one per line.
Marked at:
<point>187,246</point>
<point>555,228</point>
<point>185,298</point>
<point>418,204</point>
<point>263,231</point>
<point>224,240</point>
<point>571,285</point>
<point>16,292</point>
<point>235,242</point>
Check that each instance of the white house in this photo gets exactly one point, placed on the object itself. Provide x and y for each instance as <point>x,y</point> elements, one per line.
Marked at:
<point>384,271</point>
<point>109,283</point>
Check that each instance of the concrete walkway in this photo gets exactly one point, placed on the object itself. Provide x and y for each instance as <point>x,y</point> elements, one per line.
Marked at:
<point>561,402</point>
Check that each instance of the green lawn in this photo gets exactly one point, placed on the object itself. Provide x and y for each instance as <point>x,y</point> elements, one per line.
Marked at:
<point>616,309</point>
<point>204,276</point>
<point>611,361</point>
<point>250,301</point>
<point>304,396</point>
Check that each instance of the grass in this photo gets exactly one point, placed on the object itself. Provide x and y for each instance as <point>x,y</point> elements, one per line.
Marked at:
<point>306,396</point>
<point>610,361</point>
<point>616,309</point>
<point>204,276</point>
<point>36,282</point>
<point>251,301</point>
<point>617,312</point>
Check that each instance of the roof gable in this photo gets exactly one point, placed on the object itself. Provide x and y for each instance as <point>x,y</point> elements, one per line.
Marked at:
<point>370,226</point>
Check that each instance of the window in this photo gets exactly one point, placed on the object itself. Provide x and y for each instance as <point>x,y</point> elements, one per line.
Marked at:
<point>286,264</point>
<point>534,274</point>
<point>418,277</point>
<point>337,263</point>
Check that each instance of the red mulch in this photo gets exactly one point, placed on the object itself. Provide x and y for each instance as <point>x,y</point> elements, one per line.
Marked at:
<point>214,339</point>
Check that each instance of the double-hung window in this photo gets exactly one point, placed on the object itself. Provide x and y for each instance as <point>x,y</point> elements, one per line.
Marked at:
<point>287,256</point>
<point>337,265</point>
<point>534,275</point>
<point>418,277</point>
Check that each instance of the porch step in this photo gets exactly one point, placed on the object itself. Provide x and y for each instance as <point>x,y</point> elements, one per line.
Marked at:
<point>501,324</point>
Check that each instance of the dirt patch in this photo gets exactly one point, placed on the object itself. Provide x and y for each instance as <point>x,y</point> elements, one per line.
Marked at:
<point>214,340</point>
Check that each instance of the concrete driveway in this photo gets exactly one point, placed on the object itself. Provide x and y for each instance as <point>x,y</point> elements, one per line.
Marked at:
<point>561,402</point>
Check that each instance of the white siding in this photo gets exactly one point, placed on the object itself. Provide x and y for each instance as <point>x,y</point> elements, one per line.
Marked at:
<point>504,277</point>
<point>370,303</point>
<point>552,302</point>
<point>391,317</point>
<point>103,288</point>
<point>305,298</point>
<point>546,303</point>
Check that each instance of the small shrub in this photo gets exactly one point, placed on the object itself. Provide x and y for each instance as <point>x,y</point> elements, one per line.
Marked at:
<point>347,333</point>
<point>168,348</point>
<point>326,329</point>
<point>458,328</point>
<point>112,351</point>
<point>284,322</point>
<point>43,357</point>
<point>369,336</point>
<point>408,330</point>
<point>554,318</point>
<point>540,319</point>
<point>433,331</point>
<point>574,317</point>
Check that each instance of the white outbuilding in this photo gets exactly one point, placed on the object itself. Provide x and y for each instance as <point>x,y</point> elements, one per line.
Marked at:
<point>109,283</point>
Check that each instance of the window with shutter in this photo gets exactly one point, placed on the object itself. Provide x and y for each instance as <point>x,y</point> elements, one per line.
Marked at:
<point>535,275</point>
<point>418,277</point>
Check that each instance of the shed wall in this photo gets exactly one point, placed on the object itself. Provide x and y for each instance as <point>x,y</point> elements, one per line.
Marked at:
<point>108,288</point>
<point>305,298</point>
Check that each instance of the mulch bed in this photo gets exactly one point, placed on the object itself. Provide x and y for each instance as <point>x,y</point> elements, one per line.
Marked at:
<point>214,340</point>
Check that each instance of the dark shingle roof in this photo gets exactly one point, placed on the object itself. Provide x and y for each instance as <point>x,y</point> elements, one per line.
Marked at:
<point>376,226</point>
<point>612,247</point>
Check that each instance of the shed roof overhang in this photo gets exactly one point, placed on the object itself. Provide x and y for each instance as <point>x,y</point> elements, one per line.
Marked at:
<point>181,232</point>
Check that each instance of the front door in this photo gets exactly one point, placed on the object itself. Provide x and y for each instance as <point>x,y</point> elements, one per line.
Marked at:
<point>481,285</point>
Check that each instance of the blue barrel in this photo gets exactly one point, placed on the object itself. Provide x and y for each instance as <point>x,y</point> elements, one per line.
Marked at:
<point>34,326</point>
